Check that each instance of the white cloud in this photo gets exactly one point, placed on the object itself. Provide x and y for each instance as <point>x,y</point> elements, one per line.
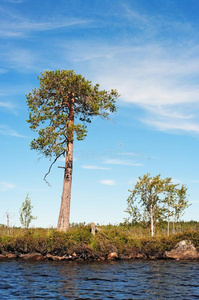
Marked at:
<point>152,76</point>
<point>176,112</point>
<point>158,87</point>
<point>13,24</point>
<point>14,1</point>
<point>19,57</point>
<point>173,125</point>
<point>158,77</point>
<point>93,167</point>
<point>133,155</point>
<point>6,130</point>
<point>115,161</point>
<point>107,182</point>
<point>195,181</point>
<point>7,105</point>
<point>4,186</point>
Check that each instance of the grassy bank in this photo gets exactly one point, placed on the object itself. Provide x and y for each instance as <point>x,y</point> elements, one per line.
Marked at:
<point>127,241</point>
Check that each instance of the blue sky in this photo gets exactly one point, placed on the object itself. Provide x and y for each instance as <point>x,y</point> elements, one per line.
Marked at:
<point>148,51</point>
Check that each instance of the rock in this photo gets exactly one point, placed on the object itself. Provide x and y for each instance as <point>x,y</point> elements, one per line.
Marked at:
<point>113,255</point>
<point>102,258</point>
<point>32,256</point>
<point>184,250</point>
<point>134,255</point>
<point>153,257</point>
<point>125,256</point>
<point>10,255</point>
<point>7,255</point>
<point>140,256</point>
<point>55,257</point>
<point>79,259</point>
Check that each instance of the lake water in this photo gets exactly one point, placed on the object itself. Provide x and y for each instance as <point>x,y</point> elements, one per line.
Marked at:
<point>99,280</point>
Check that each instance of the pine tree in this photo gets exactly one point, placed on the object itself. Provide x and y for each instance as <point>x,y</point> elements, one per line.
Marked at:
<point>59,111</point>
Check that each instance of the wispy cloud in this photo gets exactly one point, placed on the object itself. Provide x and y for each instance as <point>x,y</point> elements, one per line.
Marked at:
<point>135,155</point>
<point>115,161</point>
<point>13,24</point>
<point>6,130</point>
<point>152,76</point>
<point>4,186</point>
<point>23,28</point>
<point>21,59</point>
<point>14,1</point>
<point>159,75</point>
<point>94,167</point>
<point>107,182</point>
<point>151,70</point>
<point>7,105</point>
<point>173,125</point>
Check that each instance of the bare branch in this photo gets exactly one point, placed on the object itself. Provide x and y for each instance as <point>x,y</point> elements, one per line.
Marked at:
<point>56,158</point>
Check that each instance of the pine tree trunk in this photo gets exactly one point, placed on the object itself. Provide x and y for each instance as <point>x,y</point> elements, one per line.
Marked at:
<point>64,214</point>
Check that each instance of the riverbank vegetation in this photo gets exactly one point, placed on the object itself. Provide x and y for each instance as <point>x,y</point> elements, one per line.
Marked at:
<point>78,243</point>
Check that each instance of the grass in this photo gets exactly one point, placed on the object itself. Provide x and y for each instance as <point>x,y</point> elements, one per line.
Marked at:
<point>123,239</point>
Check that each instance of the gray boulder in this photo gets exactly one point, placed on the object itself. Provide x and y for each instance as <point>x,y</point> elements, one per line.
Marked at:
<point>184,250</point>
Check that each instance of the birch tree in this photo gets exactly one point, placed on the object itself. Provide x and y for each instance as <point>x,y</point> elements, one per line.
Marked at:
<point>25,211</point>
<point>160,198</point>
<point>171,192</point>
<point>180,204</point>
<point>147,193</point>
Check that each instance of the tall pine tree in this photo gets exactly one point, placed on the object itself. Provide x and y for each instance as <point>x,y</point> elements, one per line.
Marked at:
<point>59,110</point>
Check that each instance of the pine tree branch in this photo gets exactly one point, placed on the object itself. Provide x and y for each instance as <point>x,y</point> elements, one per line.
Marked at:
<point>56,158</point>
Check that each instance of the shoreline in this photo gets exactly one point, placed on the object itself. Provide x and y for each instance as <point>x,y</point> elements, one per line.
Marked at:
<point>110,243</point>
<point>93,257</point>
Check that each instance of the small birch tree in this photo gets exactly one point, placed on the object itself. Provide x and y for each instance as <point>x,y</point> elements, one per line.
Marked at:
<point>180,204</point>
<point>26,212</point>
<point>170,191</point>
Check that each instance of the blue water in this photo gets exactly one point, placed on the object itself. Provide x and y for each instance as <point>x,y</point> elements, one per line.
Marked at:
<point>99,280</point>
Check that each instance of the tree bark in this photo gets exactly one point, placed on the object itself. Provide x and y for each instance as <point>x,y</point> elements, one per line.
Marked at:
<point>64,214</point>
<point>168,225</point>
<point>152,224</point>
<point>173,226</point>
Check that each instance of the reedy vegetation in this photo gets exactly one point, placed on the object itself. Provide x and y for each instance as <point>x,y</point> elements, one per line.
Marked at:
<point>122,239</point>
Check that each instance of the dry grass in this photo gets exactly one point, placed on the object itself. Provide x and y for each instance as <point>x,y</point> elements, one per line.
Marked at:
<point>122,239</point>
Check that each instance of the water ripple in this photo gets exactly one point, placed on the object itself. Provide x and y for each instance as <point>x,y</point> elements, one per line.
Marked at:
<point>99,280</point>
